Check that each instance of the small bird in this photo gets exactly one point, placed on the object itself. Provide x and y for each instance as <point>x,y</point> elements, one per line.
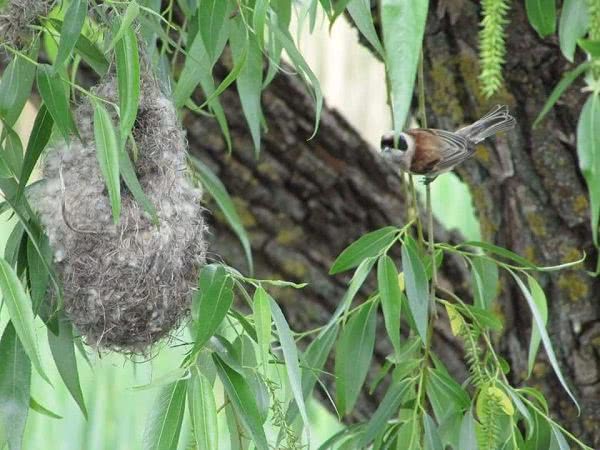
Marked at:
<point>430,152</point>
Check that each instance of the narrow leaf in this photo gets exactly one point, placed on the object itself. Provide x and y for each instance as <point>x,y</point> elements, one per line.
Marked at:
<point>128,81</point>
<point>243,400</point>
<point>18,304</point>
<point>360,11</point>
<point>133,184</point>
<point>15,382</point>
<point>290,356</point>
<point>484,279</point>
<point>538,296</point>
<point>38,408</point>
<point>368,245</point>
<point>388,407</point>
<point>52,90</point>
<point>403,23</point>
<point>417,287</point>
<point>131,13</point>
<point>353,356</point>
<point>62,347</point>
<point>573,24</point>
<point>468,437</point>
<point>432,437</point>
<point>164,423</point>
<point>212,15</point>
<point>16,84</point>
<point>262,321</point>
<point>542,16</point>
<point>203,412</point>
<point>71,29</point>
<point>557,439</point>
<point>107,151</point>
<point>537,317</point>
<point>219,193</point>
<point>249,80</point>
<point>391,298</point>
<point>40,135</point>
<point>588,151</point>
<point>568,78</point>
<point>211,303</point>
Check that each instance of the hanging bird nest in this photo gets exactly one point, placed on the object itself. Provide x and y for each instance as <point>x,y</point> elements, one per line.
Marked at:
<point>125,286</point>
<point>16,17</point>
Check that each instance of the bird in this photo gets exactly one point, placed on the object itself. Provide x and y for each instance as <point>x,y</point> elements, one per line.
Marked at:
<point>431,152</point>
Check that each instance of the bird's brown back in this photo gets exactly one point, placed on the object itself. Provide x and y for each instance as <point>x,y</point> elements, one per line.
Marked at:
<point>427,153</point>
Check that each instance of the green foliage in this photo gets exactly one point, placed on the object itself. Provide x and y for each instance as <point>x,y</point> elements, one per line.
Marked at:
<point>492,45</point>
<point>254,360</point>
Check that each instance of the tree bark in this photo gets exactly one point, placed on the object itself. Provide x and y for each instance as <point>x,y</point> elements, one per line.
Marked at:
<point>304,201</point>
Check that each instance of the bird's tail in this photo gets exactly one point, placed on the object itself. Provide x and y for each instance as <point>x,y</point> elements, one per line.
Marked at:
<point>497,120</point>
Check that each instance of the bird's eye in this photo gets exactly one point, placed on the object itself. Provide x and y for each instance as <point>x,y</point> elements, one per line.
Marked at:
<point>402,144</point>
<point>387,141</point>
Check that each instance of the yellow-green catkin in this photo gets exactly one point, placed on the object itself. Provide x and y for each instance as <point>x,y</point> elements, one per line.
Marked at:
<point>492,44</point>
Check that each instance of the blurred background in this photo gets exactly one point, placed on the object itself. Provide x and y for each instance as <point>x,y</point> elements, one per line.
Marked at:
<point>353,82</point>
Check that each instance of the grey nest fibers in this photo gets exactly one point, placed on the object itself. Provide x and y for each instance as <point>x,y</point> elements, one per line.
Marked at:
<point>15,18</point>
<point>125,286</point>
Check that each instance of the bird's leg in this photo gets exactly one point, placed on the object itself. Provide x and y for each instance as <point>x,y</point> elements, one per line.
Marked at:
<point>427,180</point>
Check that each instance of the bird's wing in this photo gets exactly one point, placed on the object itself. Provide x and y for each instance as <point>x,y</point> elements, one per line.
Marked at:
<point>454,150</point>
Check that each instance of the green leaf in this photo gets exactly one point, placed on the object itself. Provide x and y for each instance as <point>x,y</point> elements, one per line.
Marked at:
<point>15,382</point>
<point>403,23</point>
<point>228,80</point>
<point>13,150</point>
<point>417,286</point>
<point>591,47</point>
<point>368,245</point>
<point>262,321</point>
<point>18,304</point>
<point>287,42</point>
<point>314,359</point>
<point>63,351</point>
<point>499,251</point>
<point>568,78</point>
<point>353,356</point>
<point>391,298</point>
<point>128,81</point>
<point>38,408</point>
<point>432,436</point>
<point>388,407</point>
<point>541,326</point>
<point>243,400</point>
<point>37,270</point>
<point>16,84</point>
<point>484,281</point>
<point>360,11</point>
<point>128,174</point>
<point>71,29</point>
<point>359,277</point>
<point>212,15</point>
<point>203,412</point>
<point>259,17</point>
<point>542,16</point>
<point>539,433</point>
<point>588,151</point>
<point>164,423</point>
<point>557,439</point>
<point>290,356</point>
<point>52,90</point>
<point>211,303</point>
<point>446,386</point>
<point>539,298</point>
<point>468,437</point>
<point>88,51</point>
<point>107,151</point>
<point>249,80</point>
<point>131,13</point>
<point>573,24</point>
<point>40,135</point>
<point>218,191</point>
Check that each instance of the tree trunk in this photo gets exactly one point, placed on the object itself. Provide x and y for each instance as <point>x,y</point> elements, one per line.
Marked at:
<point>304,201</point>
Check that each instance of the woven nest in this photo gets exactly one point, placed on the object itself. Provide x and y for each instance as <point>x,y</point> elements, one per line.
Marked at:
<point>15,18</point>
<point>125,286</point>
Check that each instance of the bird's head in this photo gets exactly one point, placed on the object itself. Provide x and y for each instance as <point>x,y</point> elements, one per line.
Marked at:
<point>400,152</point>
